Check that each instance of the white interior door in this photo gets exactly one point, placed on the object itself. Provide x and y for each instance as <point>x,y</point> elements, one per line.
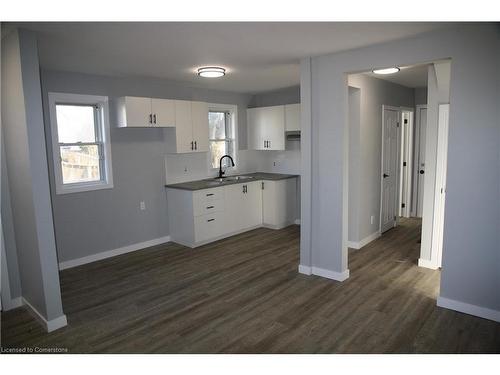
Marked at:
<point>419,161</point>
<point>389,168</point>
<point>405,163</point>
<point>440,193</point>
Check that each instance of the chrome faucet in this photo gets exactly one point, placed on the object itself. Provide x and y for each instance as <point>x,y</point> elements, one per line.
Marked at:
<point>221,172</point>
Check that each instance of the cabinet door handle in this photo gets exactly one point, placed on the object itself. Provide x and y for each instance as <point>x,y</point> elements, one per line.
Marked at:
<point>209,220</point>
<point>209,194</point>
<point>268,144</point>
<point>209,207</point>
<point>265,144</point>
<point>154,118</point>
<point>192,145</point>
<point>195,145</point>
<point>262,185</point>
<point>150,118</point>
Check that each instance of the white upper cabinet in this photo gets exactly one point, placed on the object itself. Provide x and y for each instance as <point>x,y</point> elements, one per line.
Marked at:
<point>134,112</point>
<point>292,117</point>
<point>163,112</point>
<point>141,112</point>
<point>266,128</point>
<point>199,115</point>
<point>191,128</point>
<point>254,126</point>
<point>183,140</point>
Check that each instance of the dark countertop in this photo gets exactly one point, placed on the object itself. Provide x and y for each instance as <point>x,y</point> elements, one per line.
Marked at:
<point>213,182</point>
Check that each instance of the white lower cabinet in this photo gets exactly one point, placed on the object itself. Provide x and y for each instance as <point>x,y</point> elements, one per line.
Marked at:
<point>279,203</point>
<point>243,206</point>
<point>202,216</point>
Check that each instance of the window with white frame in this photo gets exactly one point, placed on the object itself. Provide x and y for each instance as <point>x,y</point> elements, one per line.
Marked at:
<point>80,142</point>
<point>222,134</point>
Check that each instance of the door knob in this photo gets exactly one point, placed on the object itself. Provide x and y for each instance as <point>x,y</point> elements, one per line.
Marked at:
<point>421,171</point>
<point>386,175</point>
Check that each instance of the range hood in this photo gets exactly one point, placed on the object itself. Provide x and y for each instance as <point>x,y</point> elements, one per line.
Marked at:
<point>293,135</point>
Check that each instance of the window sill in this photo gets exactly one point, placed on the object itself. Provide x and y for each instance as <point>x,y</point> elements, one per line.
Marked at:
<point>79,188</point>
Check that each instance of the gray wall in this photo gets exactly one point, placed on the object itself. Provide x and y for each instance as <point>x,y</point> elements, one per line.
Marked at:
<point>92,222</point>
<point>289,95</point>
<point>471,238</point>
<point>420,95</point>
<point>366,145</point>
<point>8,233</point>
<point>25,154</point>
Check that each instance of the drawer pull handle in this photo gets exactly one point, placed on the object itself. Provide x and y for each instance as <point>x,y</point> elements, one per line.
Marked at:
<point>209,195</point>
<point>209,220</point>
<point>209,207</point>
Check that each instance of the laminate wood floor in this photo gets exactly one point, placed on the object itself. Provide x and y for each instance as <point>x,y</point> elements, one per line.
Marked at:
<point>244,295</point>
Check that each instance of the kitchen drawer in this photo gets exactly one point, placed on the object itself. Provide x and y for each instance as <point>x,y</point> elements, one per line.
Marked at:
<point>208,206</point>
<point>208,195</point>
<point>205,198</point>
<point>208,226</point>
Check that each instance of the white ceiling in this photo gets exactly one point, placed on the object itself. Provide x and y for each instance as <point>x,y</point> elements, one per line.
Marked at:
<point>258,56</point>
<point>410,76</point>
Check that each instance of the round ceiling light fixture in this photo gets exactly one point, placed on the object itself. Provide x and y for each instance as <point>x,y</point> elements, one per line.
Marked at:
<point>386,70</point>
<point>211,72</point>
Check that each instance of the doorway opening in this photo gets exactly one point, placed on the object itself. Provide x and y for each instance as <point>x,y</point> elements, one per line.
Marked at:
<point>398,129</point>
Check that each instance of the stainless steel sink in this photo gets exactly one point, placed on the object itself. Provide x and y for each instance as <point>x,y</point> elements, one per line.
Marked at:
<point>220,181</point>
<point>215,182</point>
<point>237,178</point>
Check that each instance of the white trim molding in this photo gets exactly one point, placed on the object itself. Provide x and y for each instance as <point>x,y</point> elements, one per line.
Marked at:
<point>102,140</point>
<point>482,312</point>
<point>338,276</point>
<point>305,270</point>
<point>11,304</point>
<point>49,325</point>
<point>333,275</point>
<point>111,253</point>
<point>427,264</point>
<point>365,241</point>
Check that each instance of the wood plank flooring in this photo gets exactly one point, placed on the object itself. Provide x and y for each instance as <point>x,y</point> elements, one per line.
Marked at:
<point>244,295</point>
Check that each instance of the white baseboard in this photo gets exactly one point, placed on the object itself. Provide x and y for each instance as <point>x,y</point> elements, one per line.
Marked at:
<point>427,264</point>
<point>14,303</point>
<point>338,276</point>
<point>49,325</point>
<point>365,241</point>
<point>297,221</point>
<point>482,312</point>
<point>305,270</point>
<point>111,253</point>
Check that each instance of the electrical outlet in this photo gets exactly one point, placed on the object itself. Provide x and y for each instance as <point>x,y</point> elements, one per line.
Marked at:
<point>372,219</point>
<point>185,169</point>
<point>143,205</point>
<point>274,164</point>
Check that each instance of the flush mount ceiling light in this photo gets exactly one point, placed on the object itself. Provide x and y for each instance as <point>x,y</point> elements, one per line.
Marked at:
<point>386,70</point>
<point>211,72</point>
